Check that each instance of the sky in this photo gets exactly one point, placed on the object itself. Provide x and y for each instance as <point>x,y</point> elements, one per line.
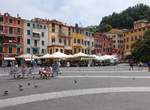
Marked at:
<point>83,12</point>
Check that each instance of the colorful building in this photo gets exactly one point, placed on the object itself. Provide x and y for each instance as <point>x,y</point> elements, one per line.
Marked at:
<point>117,37</point>
<point>102,44</point>
<point>88,42</point>
<point>56,34</point>
<point>77,39</point>
<point>131,36</point>
<point>11,36</point>
<point>35,36</point>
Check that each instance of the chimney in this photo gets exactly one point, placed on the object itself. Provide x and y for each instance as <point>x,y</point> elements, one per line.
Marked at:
<point>17,15</point>
<point>76,26</point>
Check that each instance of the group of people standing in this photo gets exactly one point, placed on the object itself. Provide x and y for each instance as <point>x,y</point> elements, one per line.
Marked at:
<point>139,64</point>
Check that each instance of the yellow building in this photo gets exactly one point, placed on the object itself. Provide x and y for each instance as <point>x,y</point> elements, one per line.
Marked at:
<point>77,41</point>
<point>134,34</point>
<point>68,39</point>
<point>88,42</point>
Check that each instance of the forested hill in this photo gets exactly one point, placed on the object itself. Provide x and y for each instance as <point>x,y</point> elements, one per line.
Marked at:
<point>125,19</point>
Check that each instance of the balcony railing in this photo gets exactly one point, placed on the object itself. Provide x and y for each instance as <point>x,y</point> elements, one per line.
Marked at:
<point>55,43</point>
<point>61,33</point>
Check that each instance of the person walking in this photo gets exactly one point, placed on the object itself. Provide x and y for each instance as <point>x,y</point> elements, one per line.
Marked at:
<point>140,66</point>
<point>131,65</point>
<point>148,64</point>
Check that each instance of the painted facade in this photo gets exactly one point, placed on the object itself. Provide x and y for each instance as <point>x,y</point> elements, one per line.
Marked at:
<point>117,42</point>
<point>131,36</point>
<point>35,36</point>
<point>11,36</point>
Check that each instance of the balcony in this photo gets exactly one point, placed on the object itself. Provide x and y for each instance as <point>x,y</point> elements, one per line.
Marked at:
<point>61,34</point>
<point>55,43</point>
<point>77,45</point>
<point>68,48</point>
<point>36,36</point>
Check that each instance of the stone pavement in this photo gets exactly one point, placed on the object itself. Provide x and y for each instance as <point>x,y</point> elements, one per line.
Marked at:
<point>83,89</point>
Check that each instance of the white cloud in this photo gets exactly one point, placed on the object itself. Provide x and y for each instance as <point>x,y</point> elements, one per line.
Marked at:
<point>85,12</point>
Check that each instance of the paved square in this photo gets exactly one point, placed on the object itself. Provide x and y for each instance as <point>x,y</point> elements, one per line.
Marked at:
<point>94,88</point>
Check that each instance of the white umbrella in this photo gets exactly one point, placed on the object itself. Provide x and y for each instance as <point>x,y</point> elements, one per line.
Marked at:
<point>80,54</point>
<point>46,56</point>
<point>106,57</point>
<point>58,55</point>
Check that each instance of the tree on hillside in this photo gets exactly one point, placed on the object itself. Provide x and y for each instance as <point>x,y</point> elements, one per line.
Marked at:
<point>125,19</point>
<point>141,51</point>
<point>104,28</point>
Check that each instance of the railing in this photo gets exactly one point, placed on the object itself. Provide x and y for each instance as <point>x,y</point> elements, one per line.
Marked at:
<point>55,43</point>
<point>61,34</point>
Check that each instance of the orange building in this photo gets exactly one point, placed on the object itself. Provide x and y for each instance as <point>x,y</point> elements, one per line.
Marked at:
<point>11,35</point>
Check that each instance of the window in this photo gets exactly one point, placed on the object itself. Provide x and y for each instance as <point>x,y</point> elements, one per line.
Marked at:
<point>86,33</point>
<point>28,24</point>
<point>42,34</point>
<point>42,43</point>
<point>56,50</point>
<point>92,44</point>
<point>18,22</point>
<point>69,33</point>
<point>18,30</point>
<point>127,39</point>
<point>85,43</point>
<point>61,50</point>
<point>28,32</point>
<point>44,27</point>
<point>60,41</point>
<point>10,49</point>
<point>127,46</point>
<point>1,28</point>
<point>78,41</point>
<point>33,25</point>
<point>74,40</point>
<point>75,51</point>
<point>53,40</point>
<point>88,43</point>
<point>131,38</point>
<point>1,19</point>
<point>43,51</point>
<point>65,43</point>
<point>28,50</point>
<point>41,26</point>
<point>1,49</point>
<point>18,50</point>
<point>10,20</point>
<point>53,29</point>
<point>18,40</point>
<point>82,50</point>
<point>69,42</point>
<point>28,41</point>
<point>35,42</point>
<point>10,30</point>
<point>50,51</point>
<point>79,50</point>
